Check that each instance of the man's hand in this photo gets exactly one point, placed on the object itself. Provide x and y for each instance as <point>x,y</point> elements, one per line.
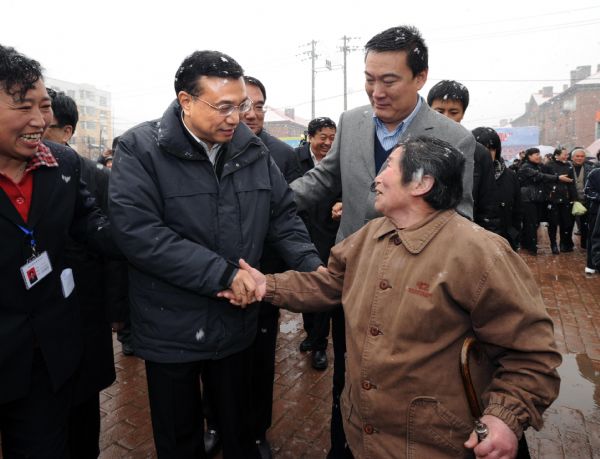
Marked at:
<point>243,288</point>
<point>259,279</point>
<point>336,211</point>
<point>565,178</point>
<point>501,442</point>
<point>251,276</point>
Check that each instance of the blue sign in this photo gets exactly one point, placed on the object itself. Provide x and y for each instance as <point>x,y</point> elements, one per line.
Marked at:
<point>528,136</point>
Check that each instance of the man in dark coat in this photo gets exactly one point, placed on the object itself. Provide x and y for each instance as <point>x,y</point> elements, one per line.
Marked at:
<point>191,194</point>
<point>508,192</point>
<point>322,229</point>
<point>100,284</point>
<point>451,99</point>
<point>560,197</point>
<point>263,373</point>
<point>42,202</point>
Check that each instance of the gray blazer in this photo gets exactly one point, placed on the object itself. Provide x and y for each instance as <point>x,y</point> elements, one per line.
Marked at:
<point>349,168</point>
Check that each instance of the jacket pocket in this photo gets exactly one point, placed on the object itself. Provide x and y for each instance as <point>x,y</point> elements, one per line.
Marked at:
<point>434,431</point>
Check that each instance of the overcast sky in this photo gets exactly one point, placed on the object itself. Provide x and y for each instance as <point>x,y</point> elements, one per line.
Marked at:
<point>502,51</point>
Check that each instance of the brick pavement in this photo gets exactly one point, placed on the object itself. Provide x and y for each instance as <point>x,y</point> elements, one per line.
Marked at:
<point>301,407</point>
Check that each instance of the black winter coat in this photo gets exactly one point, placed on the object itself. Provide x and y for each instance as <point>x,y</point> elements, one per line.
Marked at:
<point>560,192</point>
<point>508,194</point>
<point>592,192</point>
<point>485,201</point>
<point>532,181</point>
<point>321,227</point>
<point>285,159</point>
<point>41,316</point>
<point>183,224</point>
<point>101,286</point>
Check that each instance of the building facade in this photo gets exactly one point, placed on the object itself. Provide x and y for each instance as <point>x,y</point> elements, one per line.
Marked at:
<point>569,118</point>
<point>94,132</point>
<point>284,125</point>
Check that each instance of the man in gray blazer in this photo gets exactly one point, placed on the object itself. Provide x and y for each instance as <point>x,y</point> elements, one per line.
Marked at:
<point>395,70</point>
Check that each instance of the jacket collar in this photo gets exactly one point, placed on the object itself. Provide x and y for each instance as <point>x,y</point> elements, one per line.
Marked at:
<point>416,237</point>
<point>174,138</point>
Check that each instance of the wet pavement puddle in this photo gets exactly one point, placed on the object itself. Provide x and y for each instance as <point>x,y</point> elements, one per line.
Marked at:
<point>580,385</point>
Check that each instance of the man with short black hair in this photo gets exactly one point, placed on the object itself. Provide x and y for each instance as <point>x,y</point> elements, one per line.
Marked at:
<point>42,202</point>
<point>322,229</point>
<point>64,119</point>
<point>191,194</point>
<point>451,99</point>
<point>396,68</point>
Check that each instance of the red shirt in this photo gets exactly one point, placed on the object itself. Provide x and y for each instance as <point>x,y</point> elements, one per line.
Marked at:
<point>20,193</point>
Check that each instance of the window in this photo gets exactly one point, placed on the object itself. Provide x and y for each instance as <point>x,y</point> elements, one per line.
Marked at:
<point>103,101</point>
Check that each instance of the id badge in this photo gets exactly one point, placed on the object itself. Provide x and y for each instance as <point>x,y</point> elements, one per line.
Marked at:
<point>36,269</point>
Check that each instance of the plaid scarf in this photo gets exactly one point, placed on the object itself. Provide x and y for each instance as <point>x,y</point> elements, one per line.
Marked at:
<point>42,157</point>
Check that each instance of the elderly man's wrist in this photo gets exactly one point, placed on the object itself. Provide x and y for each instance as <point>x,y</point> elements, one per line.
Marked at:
<point>270,286</point>
<point>506,416</point>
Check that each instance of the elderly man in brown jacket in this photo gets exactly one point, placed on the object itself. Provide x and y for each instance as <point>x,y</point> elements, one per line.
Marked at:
<point>414,284</point>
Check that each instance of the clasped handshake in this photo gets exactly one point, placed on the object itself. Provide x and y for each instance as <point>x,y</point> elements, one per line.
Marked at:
<point>248,285</point>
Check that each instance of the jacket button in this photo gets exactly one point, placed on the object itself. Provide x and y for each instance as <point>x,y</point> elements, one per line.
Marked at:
<point>396,240</point>
<point>374,331</point>
<point>366,385</point>
<point>368,428</point>
<point>384,284</point>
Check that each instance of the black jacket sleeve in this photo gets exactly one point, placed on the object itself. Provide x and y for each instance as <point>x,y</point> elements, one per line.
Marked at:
<point>287,233</point>
<point>485,208</point>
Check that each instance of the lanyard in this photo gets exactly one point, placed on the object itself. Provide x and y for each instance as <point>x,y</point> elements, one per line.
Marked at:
<point>29,233</point>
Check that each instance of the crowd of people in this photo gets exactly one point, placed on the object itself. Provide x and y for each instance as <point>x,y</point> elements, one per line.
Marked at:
<point>194,229</point>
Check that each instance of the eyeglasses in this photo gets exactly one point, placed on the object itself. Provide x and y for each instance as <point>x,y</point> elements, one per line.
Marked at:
<point>259,108</point>
<point>228,109</point>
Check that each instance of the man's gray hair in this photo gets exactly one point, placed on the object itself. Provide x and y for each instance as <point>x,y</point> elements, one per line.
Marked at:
<point>424,155</point>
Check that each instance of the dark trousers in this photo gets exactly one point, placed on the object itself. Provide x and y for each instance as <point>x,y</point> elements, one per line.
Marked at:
<point>263,374</point>
<point>124,335</point>
<point>316,325</point>
<point>559,216</point>
<point>263,371</point>
<point>176,406</point>
<point>35,427</point>
<point>84,429</point>
<point>591,221</point>
<point>582,224</point>
<point>339,448</point>
<point>531,214</point>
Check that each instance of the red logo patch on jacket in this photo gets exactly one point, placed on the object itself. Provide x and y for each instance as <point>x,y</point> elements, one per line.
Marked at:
<point>421,290</point>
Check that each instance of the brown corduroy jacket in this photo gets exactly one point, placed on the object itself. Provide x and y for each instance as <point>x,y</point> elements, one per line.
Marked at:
<point>410,299</point>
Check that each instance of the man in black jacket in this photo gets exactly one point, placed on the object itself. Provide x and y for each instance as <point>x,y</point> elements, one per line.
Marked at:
<point>42,201</point>
<point>451,99</point>
<point>191,194</point>
<point>263,373</point>
<point>100,284</point>
<point>322,229</point>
